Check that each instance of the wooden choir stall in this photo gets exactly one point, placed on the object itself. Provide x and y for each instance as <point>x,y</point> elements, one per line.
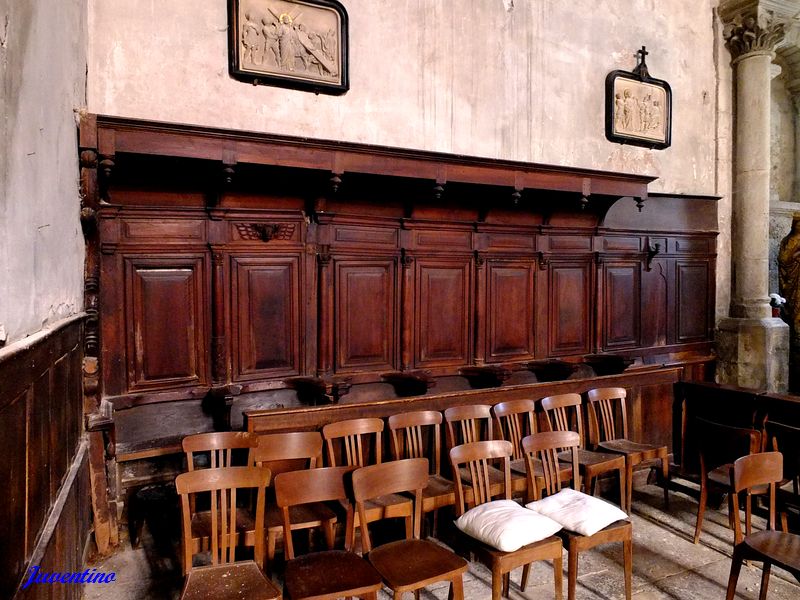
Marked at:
<point>254,281</point>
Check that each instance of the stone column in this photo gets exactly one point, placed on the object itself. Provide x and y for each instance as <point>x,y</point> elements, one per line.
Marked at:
<point>753,347</point>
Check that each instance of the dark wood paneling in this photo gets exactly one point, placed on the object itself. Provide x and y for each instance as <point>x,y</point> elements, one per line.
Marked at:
<point>443,310</point>
<point>365,323</point>
<point>41,425</point>
<point>266,316</point>
<point>570,315</point>
<point>654,305</point>
<point>167,326</point>
<point>692,300</point>
<point>509,311</point>
<point>622,301</point>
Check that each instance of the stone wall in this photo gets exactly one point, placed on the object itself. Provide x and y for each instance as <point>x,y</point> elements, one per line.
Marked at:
<point>43,75</point>
<point>517,80</point>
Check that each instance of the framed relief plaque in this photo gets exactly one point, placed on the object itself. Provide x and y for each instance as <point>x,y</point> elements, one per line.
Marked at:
<point>638,107</point>
<point>299,44</point>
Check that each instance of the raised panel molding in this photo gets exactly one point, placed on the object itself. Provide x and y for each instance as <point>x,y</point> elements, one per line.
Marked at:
<point>365,319</point>
<point>509,311</point>
<point>166,328</point>
<point>622,302</point>
<point>266,307</point>
<point>570,315</point>
<point>443,312</point>
<point>692,293</point>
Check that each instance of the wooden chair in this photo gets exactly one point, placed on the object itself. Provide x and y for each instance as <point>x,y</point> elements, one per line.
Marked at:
<point>224,578</point>
<point>295,451</point>
<point>720,445</point>
<point>786,439</point>
<point>328,574</point>
<point>604,406</point>
<point>547,446</point>
<point>222,448</point>
<point>476,457</point>
<point>418,435</point>
<point>412,563</point>
<point>515,420</point>
<point>770,547</point>
<point>563,413</point>
<point>357,437</point>
<point>473,423</point>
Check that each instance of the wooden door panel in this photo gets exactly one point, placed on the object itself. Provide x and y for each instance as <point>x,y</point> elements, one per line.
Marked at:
<point>692,300</point>
<point>509,308</point>
<point>365,293</point>
<point>266,316</point>
<point>443,324</point>
<point>165,322</point>
<point>622,301</point>
<point>570,313</point>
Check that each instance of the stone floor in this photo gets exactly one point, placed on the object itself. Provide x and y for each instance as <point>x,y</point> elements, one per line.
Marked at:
<point>667,565</point>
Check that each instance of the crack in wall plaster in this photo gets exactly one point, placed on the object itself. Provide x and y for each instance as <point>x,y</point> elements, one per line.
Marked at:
<point>4,37</point>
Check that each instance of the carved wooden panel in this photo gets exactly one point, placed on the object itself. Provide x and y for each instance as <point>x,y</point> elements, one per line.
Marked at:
<point>570,314</point>
<point>443,310</point>
<point>166,322</point>
<point>509,310</point>
<point>621,303</point>
<point>265,305</point>
<point>692,299</point>
<point>365,323</point>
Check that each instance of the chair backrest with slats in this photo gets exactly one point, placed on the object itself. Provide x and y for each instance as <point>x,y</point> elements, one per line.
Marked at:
<point>476,458</point>
<point>545,446</point>
<point>406,475</point>
<point>759,469</point>
<point>563,413</point>
<point>417,434</point>
<point>223,484</point>
<point>356,437</point>
<point>516,419</point>
<point>467,424</point>
<point>605,405</point>
<point>221,445</point>
<point>786,439</point>
<point>304,487</point>
<point>293,451</point>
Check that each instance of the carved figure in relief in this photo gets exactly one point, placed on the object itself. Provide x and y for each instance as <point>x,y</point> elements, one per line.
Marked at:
<point>250,40</point>
<point>272,52</point>
<point>296,47</point>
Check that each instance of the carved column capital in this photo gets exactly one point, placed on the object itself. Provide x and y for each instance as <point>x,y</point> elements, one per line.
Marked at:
<point>751,33</point>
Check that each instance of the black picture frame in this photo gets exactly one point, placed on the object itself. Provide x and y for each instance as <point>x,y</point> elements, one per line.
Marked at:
<point>638,108</point>
<point>295,44</point>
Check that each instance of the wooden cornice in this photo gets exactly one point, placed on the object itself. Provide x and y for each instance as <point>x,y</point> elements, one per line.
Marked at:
<point>113,136</point>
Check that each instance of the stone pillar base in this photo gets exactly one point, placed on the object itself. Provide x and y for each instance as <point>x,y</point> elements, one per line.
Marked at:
<point>753,353</point>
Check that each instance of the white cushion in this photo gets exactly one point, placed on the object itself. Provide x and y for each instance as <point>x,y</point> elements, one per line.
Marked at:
<point>505,525</point>
<point>577,511</point>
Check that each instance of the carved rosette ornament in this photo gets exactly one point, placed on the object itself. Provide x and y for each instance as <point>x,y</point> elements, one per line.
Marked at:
<point>747,34</point>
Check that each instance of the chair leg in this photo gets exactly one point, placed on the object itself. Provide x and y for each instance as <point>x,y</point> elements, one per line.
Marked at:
<point>623,483</point>
<point>628,483</point>
<point>701,509</point>
<point>733,578</point>
<point>764,581</point>
<point>665,479</point>
<point>627,551</point>
<point>398,595</point>
<point>506,583</point>
<point>558,577</point>
<point>526,571</point>
<point>497,583</point>
<point>572,572</point>
<point>457,588</point>
<point>416,594</point>
<point>272,539</point>
<point>329,529</point>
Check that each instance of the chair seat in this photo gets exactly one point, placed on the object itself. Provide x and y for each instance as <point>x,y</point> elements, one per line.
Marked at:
<point>617,531</point>
<point>783,549</point>
<point>328,574</point>
<point>390,505</point>
<point>242,581</point>
<point>589,458</point>
<point>519,481</point>
<point>549,547</point>
<point>302,516</point>
<point>633,449</point>
<point>438,493</point>
<point>412,564</point>
<point>201,528</point>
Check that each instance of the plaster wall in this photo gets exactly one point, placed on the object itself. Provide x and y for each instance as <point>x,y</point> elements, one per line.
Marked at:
<point>518,80</point>
<point>43,75</point>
